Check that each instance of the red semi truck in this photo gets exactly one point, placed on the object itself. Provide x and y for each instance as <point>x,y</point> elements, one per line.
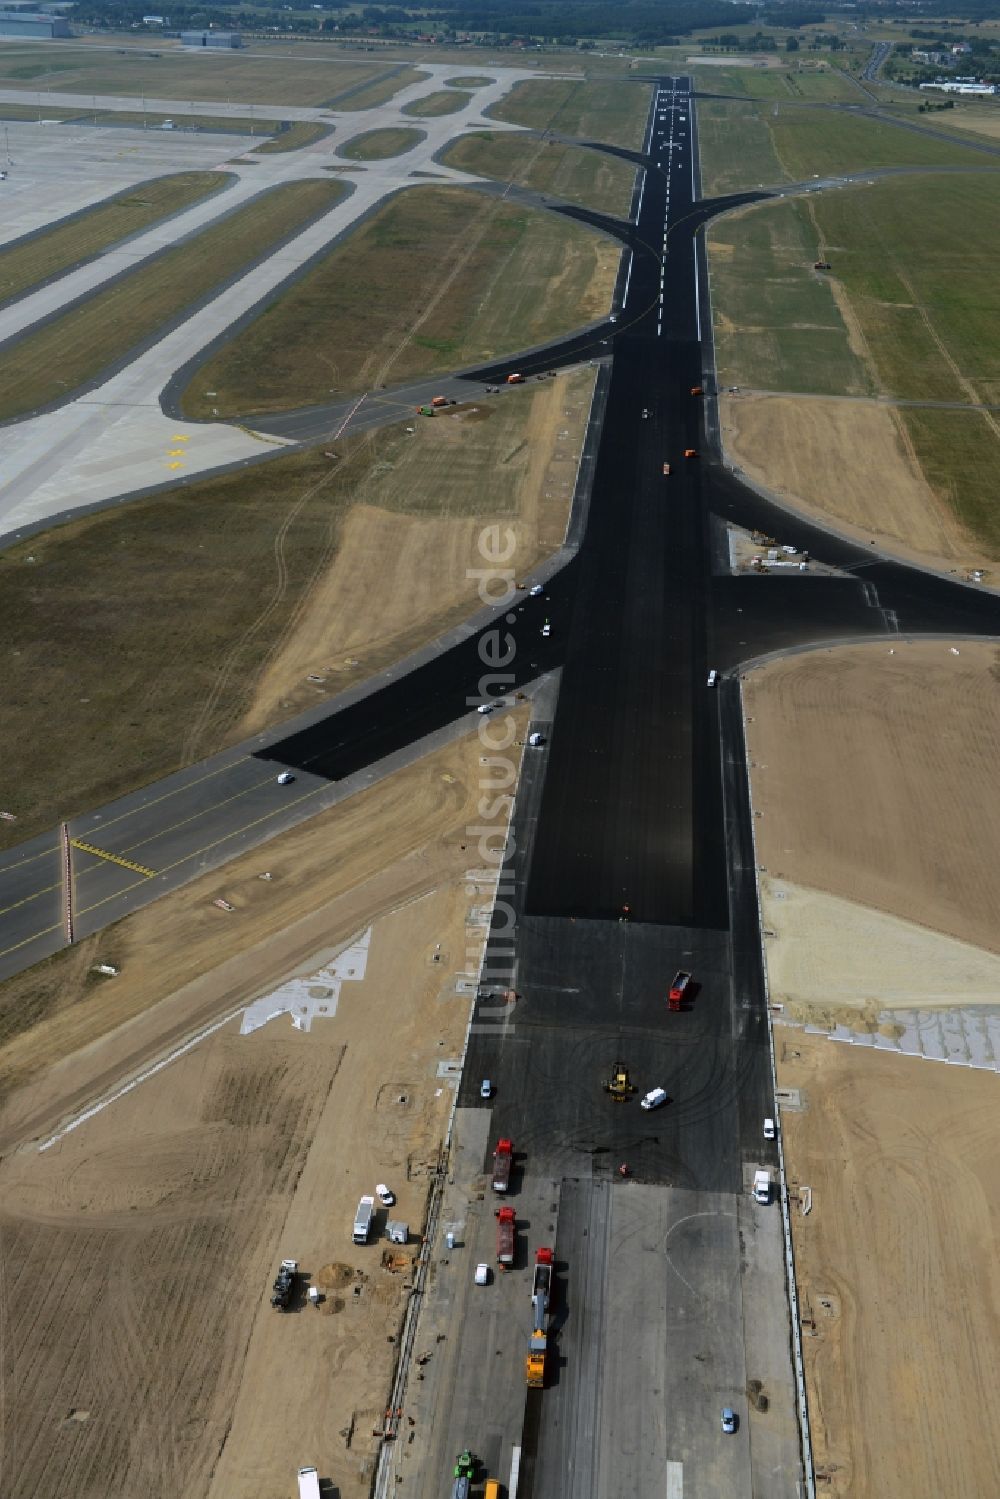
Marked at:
<point>679,989</point>
<point>502,1158</point>
<point>505,1237</point>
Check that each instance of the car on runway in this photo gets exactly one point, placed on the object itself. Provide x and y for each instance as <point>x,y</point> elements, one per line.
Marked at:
<point>285,778</point>
<point>535,590</point>
<point>769,1129</point>
<point>487,707</point>
<point>645,413</point>
<point>728,1420</point>
<point>653,1099</point>
<point>482,1275</point>
<point>546,630</point>
<point>486,1088</point>
<point>713,678</point>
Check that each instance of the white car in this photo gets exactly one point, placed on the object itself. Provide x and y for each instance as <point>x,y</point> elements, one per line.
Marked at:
<point>482,1275</point>
<point>486,1088</point>
<point>654,1098</point>
<point>713,678</point>
<point>769,1129</point>
<point>285,777</point>
<point>728,1421</point>
<point>613,318</point>
<point>546,630</point>
<point>535,590</point>
<point>486,707</point>
<point>385,1195</point>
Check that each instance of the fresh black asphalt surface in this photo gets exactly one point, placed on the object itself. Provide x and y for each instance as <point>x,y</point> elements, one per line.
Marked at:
<point>631,851</point>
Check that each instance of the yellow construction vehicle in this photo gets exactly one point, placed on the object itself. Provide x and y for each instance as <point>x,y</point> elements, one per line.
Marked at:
<point>619,1084</point>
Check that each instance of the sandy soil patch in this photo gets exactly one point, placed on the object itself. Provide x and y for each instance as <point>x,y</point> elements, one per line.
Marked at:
<point>874,771</point>
<point>986,122</point>
<point>899,1281</point>
<point>398,578</point>
<point>184,963</point>
<point>142,1354</point>
<point>851,462</point>
<point>828,955</point>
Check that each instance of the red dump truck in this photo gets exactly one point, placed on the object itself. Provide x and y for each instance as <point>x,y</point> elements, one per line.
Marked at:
<point>439,401</point>
<point>505,1237</point>
<point>515,379</point>
<point>502,1159</point>
<point>680,988</point>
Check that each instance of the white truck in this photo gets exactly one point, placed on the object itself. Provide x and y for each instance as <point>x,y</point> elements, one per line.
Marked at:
<point>363,1220</point>
<point>762,1186</point>
<point>308,1483</point>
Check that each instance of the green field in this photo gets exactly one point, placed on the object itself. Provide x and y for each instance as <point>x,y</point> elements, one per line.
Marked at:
<point>432,105</point>
<point>49,363</point>
<point>959,454</point>
<point>725,170</point>
<point>64,246</point>
<point>777,325</point>
<point>823,141</point>
<point>166,74</point>
<point>438,278</point>
<point>615,113</point>
<point>379,145</point>
<point>116,626</point>
<point>572,173</point>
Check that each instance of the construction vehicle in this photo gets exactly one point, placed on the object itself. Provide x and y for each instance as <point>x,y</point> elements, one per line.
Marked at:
<point>541,1285</point>
<point>506,1228</point>
<point>308,1483</point>
<point>690,452</point>
<point>541,1291</point>
<point>439,401</point>
<point>619,1084</point>
<point>425,411</point>
<point>822,265</point>
<point>363,1220</point>
<point>696,390</point>
<point>465,1469</point>
<point>284,1285</point>
<point>762,1186</point>
<point>515,379</point>
<point>680,987</point>
<point>503,1157</point>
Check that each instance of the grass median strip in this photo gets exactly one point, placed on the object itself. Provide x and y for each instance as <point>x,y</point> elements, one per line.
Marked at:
<point>74,348</point>
<point>572,173</point>
<point>379,145</point>
<point>26,263</point>
<point>438,278</point>
<point>297,134</point>
<point>441,103</point>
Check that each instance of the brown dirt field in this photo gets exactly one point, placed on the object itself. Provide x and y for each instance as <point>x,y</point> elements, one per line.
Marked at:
<point>847,461</point>
<point>398,578</point>
<point>184,963</point>
<point>900,1301</point>
<point>141,1353</point>
<point>874,774</point>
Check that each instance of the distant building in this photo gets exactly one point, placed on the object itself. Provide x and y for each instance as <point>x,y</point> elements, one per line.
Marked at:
<point>154,20</point>
<point>960,86</point>
<point>225,39</point>
<point>25,23</point>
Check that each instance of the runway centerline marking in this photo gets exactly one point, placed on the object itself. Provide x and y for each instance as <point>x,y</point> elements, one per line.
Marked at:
<point>675,1480</point>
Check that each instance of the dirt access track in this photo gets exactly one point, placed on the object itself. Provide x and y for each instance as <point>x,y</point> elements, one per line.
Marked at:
<point>141,1354</point>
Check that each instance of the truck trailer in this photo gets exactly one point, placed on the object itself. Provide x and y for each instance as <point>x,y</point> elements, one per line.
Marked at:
<point>308,1483</point>
<point>762,1186</point>
<point>363,1220</point>
<point>503,1156</point>
<point>541,1285</point>
<point>506,1225</point>
<point>284,1285</point>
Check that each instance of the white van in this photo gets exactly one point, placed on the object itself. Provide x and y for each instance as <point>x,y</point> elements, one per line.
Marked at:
<point>654,1098</point>
<point>713,678</point>
<point>769,1129</point>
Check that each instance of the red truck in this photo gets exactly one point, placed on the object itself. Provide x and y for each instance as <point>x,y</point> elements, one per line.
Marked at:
<point>502,1159</point>
<point>505,1237</point>
<point>680,987</point>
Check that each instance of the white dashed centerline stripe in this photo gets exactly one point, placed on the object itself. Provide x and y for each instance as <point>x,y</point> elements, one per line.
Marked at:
<point>675,1481</point>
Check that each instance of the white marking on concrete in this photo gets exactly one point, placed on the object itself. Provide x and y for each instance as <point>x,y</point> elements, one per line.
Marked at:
<point>675,1480</point>
<point>312,997</point>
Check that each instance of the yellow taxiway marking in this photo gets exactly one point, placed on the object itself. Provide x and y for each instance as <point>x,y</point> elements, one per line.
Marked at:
<point>179,437</point>
<point>177,452</point>
<point>103,853</point>
<point>35,937</point>
<point>175,465</point>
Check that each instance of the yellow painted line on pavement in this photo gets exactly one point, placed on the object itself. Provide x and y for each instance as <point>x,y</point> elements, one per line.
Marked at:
<point>179,437</point>
<point>174,791</point>
<point>207,847</point>
<point>35,894</point>
<point>175,465</point>
<point>103,853</point>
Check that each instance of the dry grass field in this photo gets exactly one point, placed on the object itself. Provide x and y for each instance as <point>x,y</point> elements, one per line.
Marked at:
<point>255,77</point>
<point>229,591</point>
<point>898,1278</point>
<point>140,1352</point>
<point>481,277</point>
<point>568,172</point>
<point>54,359</point>
<point>57,250</point>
